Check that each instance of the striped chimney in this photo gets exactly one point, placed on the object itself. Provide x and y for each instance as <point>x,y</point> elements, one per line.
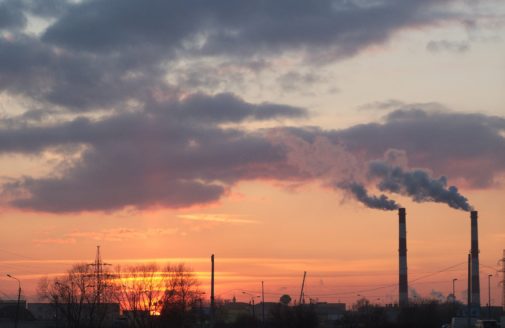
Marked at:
<point>475,263</point>
<point>404,285</point>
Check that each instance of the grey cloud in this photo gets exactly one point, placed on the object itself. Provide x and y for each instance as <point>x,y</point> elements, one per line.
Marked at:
<point>298,82</point>
<point>448,46</point>
<point>162,156</point>
<point>13,12</point>
<point>101,54</point>
<point>173,155</point>
<point>469,146</point>
<point>11,15</point>
<point>171,118</point>
<point>173,167</point>
<point>240,27</point>
<point>226,107</point>
<point>382,105</point>
<point>76,81</point>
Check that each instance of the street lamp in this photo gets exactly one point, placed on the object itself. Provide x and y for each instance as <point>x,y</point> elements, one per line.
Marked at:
<point>454,290</point>
<point>252,302</point>
<point>489,295</point>
<point>19,298</point>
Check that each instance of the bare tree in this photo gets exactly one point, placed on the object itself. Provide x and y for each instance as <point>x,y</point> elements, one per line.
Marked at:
<point>140,290</point>
<point>182,297</point>
<point>75,298</point>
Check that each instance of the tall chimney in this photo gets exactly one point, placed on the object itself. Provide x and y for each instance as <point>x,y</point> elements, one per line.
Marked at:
<point>475,264</point>
<point>469,290</point>
<point>212,305</point>
<point>404,285</point>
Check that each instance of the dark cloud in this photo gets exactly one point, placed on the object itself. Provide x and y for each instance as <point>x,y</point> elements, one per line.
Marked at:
<point>13,12</point>
<point>102,54</point>
<point>240,27</point>
<point>76,81</point>
<point>173,154</point>
<point>11,15</point>
<point>471,147</point>
<point>161,120</point>
<point>159,144</point>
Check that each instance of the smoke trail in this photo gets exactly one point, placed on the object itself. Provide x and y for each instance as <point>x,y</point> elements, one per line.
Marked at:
<point>381,202</point>
<point>330,163</point>
<point>416,183</point>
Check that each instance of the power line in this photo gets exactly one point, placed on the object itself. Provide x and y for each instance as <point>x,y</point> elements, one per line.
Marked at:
<point>18,255</point>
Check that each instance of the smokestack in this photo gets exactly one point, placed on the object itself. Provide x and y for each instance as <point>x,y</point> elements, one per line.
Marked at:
<point>469,290</point>
<point>212,285</point>
<point>475,264</point>
<point>404,285</point>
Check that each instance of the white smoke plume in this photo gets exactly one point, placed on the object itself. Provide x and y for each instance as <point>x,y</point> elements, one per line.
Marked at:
<point>330,162</point>
<point>333,165</point>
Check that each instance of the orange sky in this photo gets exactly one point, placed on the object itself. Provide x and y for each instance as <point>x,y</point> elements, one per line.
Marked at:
<point>267,233</point>
<point>165,141</point>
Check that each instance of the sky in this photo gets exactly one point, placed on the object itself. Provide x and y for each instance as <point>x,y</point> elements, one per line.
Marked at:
<point>280,136</point>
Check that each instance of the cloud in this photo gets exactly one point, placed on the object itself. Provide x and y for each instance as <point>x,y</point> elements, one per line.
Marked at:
<point>55,241</point>
<point>218,218</point>
<point>11,15</point>
<point>75,81</point>
<point>110,235</point>
<point>172,155</point>
<point>172,119</point>
<point>110,55</point>
<point>13,12</point>
<point>443,141</point>
<point>240,28</point>
<point>448,46</point>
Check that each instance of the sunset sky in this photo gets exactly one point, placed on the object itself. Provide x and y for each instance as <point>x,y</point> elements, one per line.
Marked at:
<point>280,136</point>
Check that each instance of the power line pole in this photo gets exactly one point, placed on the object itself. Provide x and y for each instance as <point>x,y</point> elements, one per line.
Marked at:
<point>263,302</point>
<point>99,275</point>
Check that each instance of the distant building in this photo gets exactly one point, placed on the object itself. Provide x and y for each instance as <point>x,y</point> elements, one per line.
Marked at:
<point>328,313</point>
<point>8,308</point>
<point>233,310</point>
<point>269,306</point>
<point>59,313</point>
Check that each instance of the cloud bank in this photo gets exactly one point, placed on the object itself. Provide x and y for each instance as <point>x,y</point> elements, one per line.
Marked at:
<point>100,89</point>
<point>162,158</point>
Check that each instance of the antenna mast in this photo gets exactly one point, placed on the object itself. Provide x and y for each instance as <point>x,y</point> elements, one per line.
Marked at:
<point>303,285</point>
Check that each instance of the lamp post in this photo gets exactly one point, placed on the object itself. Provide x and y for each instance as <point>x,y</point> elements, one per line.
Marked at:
<point>489,295</point>
<point>454,290</point>
<point>252,303</point>
<point>19,299</point>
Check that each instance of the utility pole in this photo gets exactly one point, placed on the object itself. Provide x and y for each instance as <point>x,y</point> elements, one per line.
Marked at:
<point>454,290</point>
<point>263,302</point>
<point>212,304</point>
<point>19,300</point>
<point>489,295</point>
<point>303,285</point>
<point>502,260</point>
<point>99,275</point>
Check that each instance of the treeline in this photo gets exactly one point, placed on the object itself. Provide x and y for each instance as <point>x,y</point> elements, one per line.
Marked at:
<point>149,295</point>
